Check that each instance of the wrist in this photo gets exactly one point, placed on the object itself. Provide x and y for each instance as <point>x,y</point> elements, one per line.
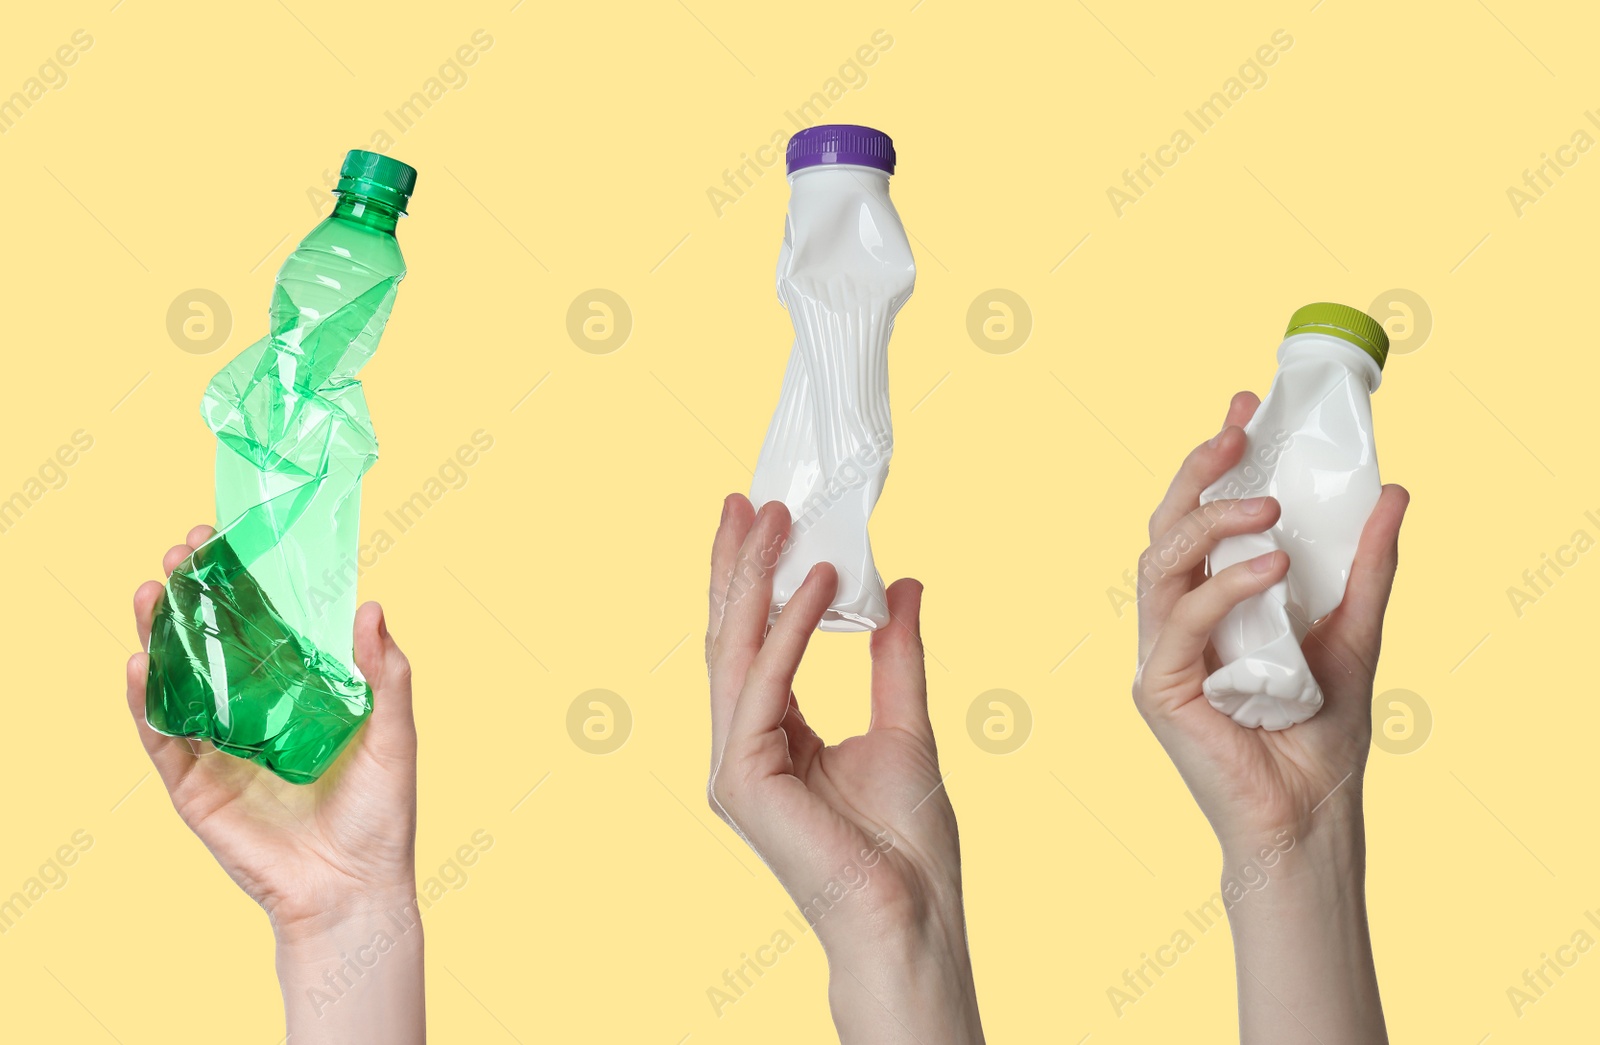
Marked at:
<point>356,970</point>
<point>908,981</point>
<point>1325,850</point>
<point>337,918</point>
<point>355,934</point>
<point>1296,905</point>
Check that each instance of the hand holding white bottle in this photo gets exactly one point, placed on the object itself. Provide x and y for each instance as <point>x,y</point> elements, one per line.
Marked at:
<point>1311,448</point>
<point>844,270</point>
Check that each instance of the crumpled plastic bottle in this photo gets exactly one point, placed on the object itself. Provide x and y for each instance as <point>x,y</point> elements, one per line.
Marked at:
<point>1310,447</point>
<point>844,271</point>
<point>251,646</point>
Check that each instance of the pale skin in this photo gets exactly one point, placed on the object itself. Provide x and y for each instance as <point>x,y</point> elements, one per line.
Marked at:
<point>868,815</point>
<point>332,863</point>
<point>1286,806</point>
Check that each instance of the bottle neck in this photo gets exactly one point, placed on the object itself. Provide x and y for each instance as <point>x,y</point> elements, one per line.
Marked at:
<point>365,212</point>
<point>1324,348</point>
<point>828,179</point>
<point>840,169</point>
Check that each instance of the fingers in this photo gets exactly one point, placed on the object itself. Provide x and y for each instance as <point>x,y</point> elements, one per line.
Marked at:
<point>175,555</point>
<point>392,731</point>
<point>764,697</point>
<point>144,609</point>
<point>179,552</point>
<point>149,593</point>
<point>803,741</point>
<point>899,674</point>
<point>1359,619</point>
<point>1241,408</point>
<point>737,518</point>
<point>1167,566</point>
<point>1182,642</point>
<point>1205,464</point>
<point>1178,551</point>
<point>170,756</point>
<point>745,610</point>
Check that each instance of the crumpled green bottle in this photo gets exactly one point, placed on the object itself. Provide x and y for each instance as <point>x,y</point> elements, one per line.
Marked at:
<point>251,646</point>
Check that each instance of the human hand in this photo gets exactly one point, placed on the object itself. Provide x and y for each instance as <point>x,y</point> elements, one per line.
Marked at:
<point>1286,805</point>
<point>861,834</point>
<point>1253,784</point>
<point>331,862</point>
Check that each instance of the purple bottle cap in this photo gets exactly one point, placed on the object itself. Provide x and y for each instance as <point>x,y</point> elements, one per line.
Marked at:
<point>840,143</point>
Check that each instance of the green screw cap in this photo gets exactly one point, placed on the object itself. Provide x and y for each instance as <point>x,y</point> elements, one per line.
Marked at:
<point>378,178</point>
<point>1343,322</point>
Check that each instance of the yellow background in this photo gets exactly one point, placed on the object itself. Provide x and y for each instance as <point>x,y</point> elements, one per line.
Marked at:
<point>577,154</point>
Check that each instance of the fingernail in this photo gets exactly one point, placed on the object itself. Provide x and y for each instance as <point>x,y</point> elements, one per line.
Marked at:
<point>725,504</point>
<point>1262,563</point>
<point>1214,440</point>
<point>1252,505</point>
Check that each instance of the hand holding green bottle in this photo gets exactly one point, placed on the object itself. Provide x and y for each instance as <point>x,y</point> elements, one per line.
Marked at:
<point>332,863</point>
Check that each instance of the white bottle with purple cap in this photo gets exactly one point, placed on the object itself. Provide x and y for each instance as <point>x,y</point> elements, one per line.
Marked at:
<point>844,270</point>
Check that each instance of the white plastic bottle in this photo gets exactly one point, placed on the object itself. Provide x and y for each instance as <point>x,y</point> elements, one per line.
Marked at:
<point>1311,448</point>
<point>844,270</point>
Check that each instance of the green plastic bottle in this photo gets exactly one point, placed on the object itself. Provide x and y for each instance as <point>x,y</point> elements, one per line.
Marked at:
<point>251,647</point>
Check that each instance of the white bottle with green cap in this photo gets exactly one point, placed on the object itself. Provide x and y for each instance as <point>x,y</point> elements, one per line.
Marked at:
<point>1311,448</point>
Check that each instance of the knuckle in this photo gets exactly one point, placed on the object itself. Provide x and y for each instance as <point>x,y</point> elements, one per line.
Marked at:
<point>1137,692</point>
<point>1196,527</point>
<point>1164,557</point>
<point>719,796</point>
<point>1186,611</point>
<point>1143,704</point>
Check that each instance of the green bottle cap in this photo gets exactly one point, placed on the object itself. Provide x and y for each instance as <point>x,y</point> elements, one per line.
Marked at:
<point>1343,322</point>
<point>378,178</point>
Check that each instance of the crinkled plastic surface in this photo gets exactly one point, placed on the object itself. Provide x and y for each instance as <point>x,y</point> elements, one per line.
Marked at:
<point>1310,446</point>
<point>251,646</point>
<point>844,271</point>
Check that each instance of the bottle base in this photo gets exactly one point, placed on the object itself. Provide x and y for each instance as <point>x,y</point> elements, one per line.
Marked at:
<point>227,669</point>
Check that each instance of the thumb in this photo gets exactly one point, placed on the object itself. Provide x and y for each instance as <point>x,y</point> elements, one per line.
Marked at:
<point>393,732</point>
<point>899,675</point>
<point>1359,617</point>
